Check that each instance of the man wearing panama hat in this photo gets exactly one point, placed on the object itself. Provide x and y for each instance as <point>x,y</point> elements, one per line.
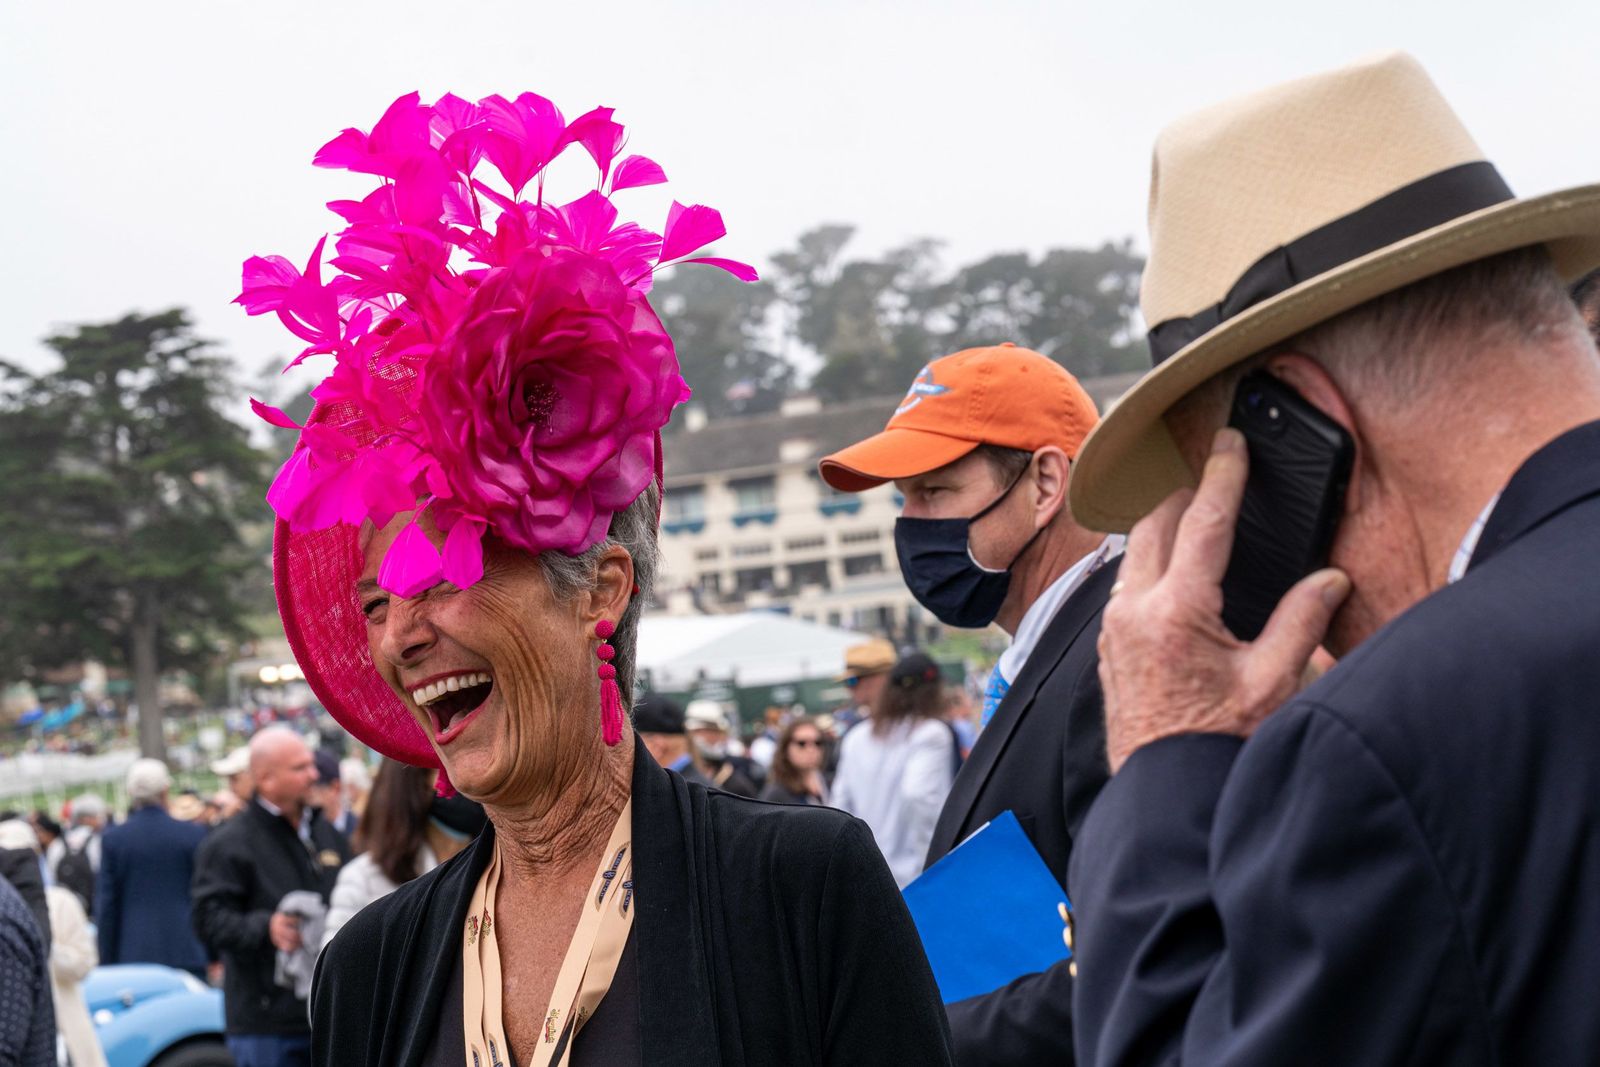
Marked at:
<point>1394,865</point>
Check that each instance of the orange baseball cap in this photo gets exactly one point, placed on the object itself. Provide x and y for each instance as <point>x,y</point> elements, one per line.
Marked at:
<point>1007,396</point>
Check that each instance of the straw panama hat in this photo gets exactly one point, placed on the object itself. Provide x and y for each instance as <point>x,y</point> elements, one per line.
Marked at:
<point>1276,211</point>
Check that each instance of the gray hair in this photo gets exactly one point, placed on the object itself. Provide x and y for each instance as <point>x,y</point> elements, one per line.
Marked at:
<point>1399,348</point>
<point>632,529</point>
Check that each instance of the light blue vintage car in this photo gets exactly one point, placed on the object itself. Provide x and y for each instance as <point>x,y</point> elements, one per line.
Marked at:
<point>151,1016</point>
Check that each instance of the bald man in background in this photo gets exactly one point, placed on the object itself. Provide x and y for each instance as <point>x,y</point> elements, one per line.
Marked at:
<point>276,845</point>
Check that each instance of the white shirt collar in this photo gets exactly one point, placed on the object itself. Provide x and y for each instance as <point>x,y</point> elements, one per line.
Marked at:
<point>1469,543</point>
<point>1040,613</point>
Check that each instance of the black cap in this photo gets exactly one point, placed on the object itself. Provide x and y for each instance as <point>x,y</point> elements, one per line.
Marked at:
<point>655,714</point>
<point>327,765</point>
<point>914,669</point>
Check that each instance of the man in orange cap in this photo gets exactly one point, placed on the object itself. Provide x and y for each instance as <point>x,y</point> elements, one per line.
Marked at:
<point>981,448</point>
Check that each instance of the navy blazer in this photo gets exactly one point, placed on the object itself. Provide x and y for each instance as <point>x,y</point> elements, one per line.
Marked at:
<point>1042,756</point>
<point>141,897</point>
<point>1402,865</point>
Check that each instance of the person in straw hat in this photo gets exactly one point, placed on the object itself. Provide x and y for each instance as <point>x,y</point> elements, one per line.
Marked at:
<point>865,674</point>
<point>466,540</point>
<point>1385,866</point>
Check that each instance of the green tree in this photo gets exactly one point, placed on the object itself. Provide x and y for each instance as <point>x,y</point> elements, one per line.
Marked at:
<point>718,324</point>
<point>130,489</point>
<point>1076,306</point>
<point>874,321</point>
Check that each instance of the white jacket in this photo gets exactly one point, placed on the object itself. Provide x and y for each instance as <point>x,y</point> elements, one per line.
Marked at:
<point>896,784</point>
<point>361,882</point>
<point>73,955</point>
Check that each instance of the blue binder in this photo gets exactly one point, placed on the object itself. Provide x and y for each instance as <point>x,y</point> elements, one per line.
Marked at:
<point>988,911</point>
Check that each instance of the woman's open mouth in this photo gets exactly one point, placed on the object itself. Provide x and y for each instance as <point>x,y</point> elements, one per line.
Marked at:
<point>451,701</point>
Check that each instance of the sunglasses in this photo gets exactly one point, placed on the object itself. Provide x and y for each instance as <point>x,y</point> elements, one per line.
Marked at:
<point>806,743</point>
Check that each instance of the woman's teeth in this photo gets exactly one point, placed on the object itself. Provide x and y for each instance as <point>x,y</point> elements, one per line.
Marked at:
<point>429,693</point>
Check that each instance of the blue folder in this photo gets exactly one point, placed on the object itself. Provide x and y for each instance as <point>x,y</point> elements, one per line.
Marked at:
<point>988,911</point>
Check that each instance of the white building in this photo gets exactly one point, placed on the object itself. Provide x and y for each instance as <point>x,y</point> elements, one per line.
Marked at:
<point>747,523</point>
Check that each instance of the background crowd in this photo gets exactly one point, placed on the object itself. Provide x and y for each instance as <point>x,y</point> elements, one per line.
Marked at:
<point>242,886</point>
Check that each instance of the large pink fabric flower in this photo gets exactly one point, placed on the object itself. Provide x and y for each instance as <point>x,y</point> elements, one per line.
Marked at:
<point>543,403</point>
<point>495,358</point>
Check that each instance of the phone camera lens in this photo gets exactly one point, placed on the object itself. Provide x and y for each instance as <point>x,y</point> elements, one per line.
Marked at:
<point>1272,413</point>
<point>1253,401</point>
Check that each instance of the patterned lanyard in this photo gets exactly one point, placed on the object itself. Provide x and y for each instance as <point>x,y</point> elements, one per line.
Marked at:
<point>586,972</point>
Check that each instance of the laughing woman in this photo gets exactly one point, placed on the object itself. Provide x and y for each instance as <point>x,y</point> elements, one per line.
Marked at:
<point>466,539</point>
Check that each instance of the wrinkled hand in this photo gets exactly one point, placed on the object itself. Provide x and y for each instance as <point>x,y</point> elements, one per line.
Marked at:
<point>284,930</point>
<point>1168,665</point>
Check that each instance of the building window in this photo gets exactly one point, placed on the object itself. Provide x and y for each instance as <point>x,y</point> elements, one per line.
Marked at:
<point>753,580</point>
<point>859,565</point>
<point>706,555</point>
<point>806,544</point>
<point>754,500</point>
<point>858,537</point>
<point>711,582</point>
<point>811,572</point>
<point>684,510</point>
<point>750,551</point>
<point>835,618</point>
<point>831,501</point>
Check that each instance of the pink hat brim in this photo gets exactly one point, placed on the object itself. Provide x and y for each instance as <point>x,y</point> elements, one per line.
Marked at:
<point>314,574</point>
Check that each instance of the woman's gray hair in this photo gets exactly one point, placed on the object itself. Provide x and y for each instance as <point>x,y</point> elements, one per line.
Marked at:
<point>633,529</point>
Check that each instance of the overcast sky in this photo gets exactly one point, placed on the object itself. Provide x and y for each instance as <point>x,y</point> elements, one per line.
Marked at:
<point>149,147</point>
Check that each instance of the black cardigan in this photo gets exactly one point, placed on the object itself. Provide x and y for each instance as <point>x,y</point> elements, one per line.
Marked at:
<point>766,934</point>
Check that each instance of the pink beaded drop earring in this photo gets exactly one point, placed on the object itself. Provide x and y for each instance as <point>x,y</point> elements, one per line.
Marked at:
<point>610,695</point>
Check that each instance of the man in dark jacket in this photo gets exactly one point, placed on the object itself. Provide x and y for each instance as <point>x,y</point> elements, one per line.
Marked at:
<point>276,845</point>
<point>146,865</point>
<point>660,723</point>
<point>981,449</point>
<point>1393,866</point>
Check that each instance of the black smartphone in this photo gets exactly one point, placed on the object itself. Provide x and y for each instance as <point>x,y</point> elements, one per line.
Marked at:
<point>1299,469</point>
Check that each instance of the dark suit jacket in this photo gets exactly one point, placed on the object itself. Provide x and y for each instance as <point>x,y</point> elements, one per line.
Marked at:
<point>244,869</point>
<point>1401,865</point>
<point>142,892</point>
<point>1042,756</point>
<point>766,934</point>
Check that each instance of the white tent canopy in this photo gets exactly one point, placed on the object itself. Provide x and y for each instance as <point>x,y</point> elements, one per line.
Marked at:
<point>750,648</point>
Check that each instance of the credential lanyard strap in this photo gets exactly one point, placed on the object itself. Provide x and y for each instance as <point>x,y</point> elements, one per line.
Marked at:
<point>586,971</point>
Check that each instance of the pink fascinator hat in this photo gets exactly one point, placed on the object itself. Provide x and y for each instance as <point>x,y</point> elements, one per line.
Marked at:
<point>496,363</point>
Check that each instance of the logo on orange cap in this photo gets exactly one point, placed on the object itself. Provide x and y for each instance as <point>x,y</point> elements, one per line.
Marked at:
<point>922,385</point>
<point>1003,395</point>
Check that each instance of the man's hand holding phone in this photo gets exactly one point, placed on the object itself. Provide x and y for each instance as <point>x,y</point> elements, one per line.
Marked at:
<point>1168,664</point>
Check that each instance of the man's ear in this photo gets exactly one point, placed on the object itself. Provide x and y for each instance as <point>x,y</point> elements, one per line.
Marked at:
<point>1051,470</point>
<point>613,586</point>
<point>1308,378</point>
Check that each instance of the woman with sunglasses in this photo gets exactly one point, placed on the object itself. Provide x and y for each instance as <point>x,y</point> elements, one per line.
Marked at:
<point>796,774</point>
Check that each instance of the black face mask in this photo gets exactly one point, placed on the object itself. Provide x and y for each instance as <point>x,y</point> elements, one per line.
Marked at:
<point>937,565</point>
<point>458,816</point>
